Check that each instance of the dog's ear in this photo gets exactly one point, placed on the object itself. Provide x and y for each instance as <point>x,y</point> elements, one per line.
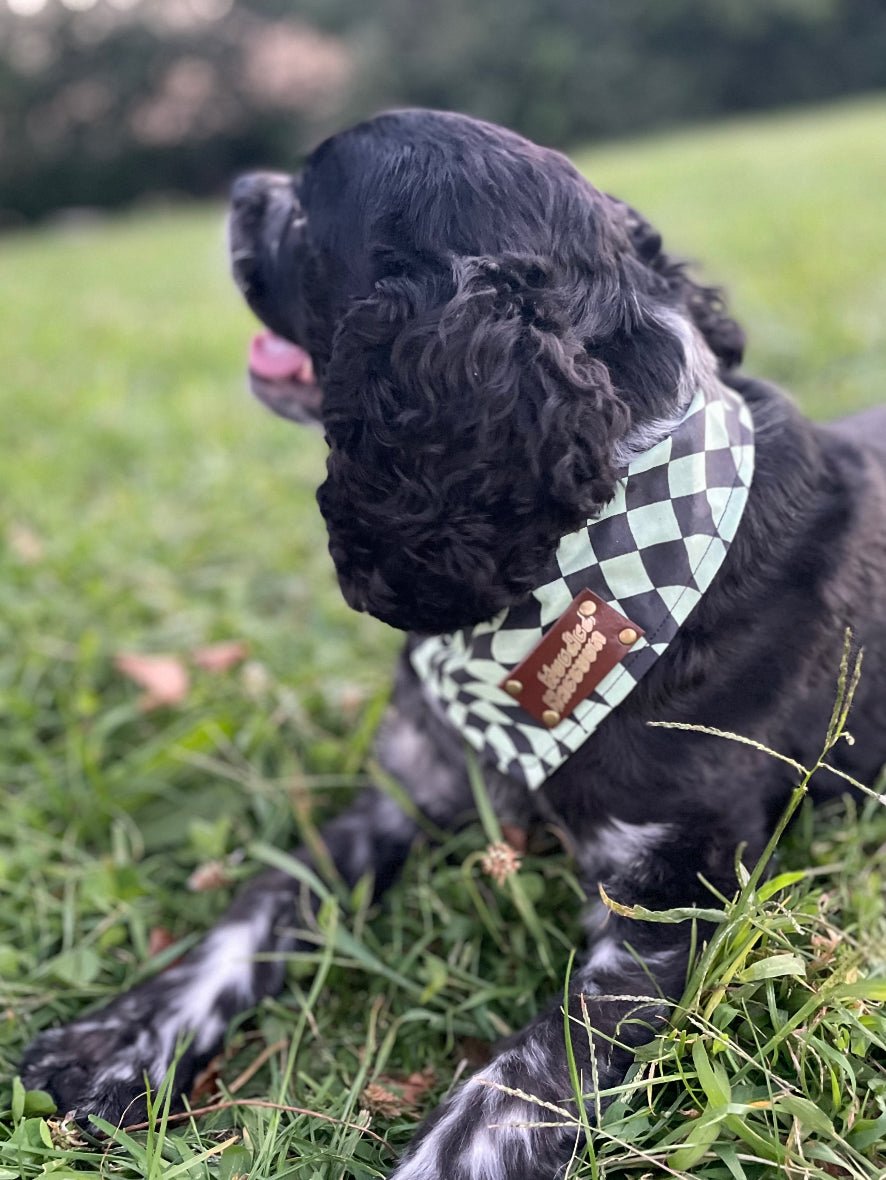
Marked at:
<point>706,305</point>
<point>469,429</point>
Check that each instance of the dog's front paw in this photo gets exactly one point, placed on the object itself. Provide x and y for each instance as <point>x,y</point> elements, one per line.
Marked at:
<point>103,1064</point>
<point>487,1131</point>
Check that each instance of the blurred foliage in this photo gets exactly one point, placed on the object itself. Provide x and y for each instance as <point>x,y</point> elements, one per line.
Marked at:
<point>100,105</point>
<point>564,71</point>
<point>104,100</point>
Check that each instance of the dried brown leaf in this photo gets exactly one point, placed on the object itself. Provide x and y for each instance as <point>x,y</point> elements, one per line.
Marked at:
<point>393,1096</point>
<point>211,875</point>
<point>25,544</point>
<point>159,938</point>
<point>164,678</point>
<point>220,657</point>
<point>206,1083</point>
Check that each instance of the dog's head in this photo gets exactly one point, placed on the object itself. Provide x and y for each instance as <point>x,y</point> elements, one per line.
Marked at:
<point>491,336</point>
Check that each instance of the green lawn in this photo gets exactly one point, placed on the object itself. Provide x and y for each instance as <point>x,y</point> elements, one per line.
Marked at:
<point>149,505</point>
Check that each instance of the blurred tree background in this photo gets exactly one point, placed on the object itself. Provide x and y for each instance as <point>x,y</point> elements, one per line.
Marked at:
<point>106,101</point>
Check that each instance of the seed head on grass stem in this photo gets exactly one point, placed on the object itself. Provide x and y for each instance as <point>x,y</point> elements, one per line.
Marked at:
<point>500,861</point>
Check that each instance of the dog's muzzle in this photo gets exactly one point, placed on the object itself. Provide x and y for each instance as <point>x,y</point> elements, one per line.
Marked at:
<point>262,204</point>
<point>264,211</point>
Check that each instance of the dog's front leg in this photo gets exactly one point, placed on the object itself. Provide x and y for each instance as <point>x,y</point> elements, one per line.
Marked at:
<point>98,1064</point>
<point>492,1127</point>
<point>518,1118</point>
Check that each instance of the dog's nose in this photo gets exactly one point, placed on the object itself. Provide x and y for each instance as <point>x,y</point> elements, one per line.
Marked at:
<point>253,189</point>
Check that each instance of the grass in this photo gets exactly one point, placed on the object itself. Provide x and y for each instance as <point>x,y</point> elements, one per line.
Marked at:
<point>149,506</point>
<point>783,212</point>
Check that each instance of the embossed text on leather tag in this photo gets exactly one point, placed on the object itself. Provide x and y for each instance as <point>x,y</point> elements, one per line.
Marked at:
<point>564,667</point>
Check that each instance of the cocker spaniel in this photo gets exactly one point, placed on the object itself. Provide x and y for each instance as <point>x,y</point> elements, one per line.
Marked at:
<point>545,467</point>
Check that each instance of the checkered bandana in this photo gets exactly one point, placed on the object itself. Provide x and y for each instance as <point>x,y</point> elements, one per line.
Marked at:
<point>650,554</point>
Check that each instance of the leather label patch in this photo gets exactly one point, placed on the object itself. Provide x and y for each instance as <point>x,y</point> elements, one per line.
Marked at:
<point>564,667</point>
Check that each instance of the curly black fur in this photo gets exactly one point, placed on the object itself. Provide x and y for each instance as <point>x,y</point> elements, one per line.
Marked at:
<point>500,316</point>
<point>706,305</point>
<point>435,389</point>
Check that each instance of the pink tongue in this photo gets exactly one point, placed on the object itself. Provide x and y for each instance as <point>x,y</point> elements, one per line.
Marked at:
<point>276,359</point>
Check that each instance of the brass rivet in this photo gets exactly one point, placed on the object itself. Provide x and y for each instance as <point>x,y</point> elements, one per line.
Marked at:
<point>514,687</point>
<point>587,608</point>
<point>628,636</point>
<point>551,718</point>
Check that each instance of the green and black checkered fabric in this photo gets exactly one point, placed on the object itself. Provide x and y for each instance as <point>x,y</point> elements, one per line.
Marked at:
<point>651,555</point>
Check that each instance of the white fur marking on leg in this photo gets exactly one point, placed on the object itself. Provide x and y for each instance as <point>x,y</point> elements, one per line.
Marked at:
<point>617,846</point>
<point>504,1121</point>
<point>607,955</point>
<point>224,964</point>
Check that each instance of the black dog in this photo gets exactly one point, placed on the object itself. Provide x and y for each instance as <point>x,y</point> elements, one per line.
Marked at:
<point>513,373</point>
